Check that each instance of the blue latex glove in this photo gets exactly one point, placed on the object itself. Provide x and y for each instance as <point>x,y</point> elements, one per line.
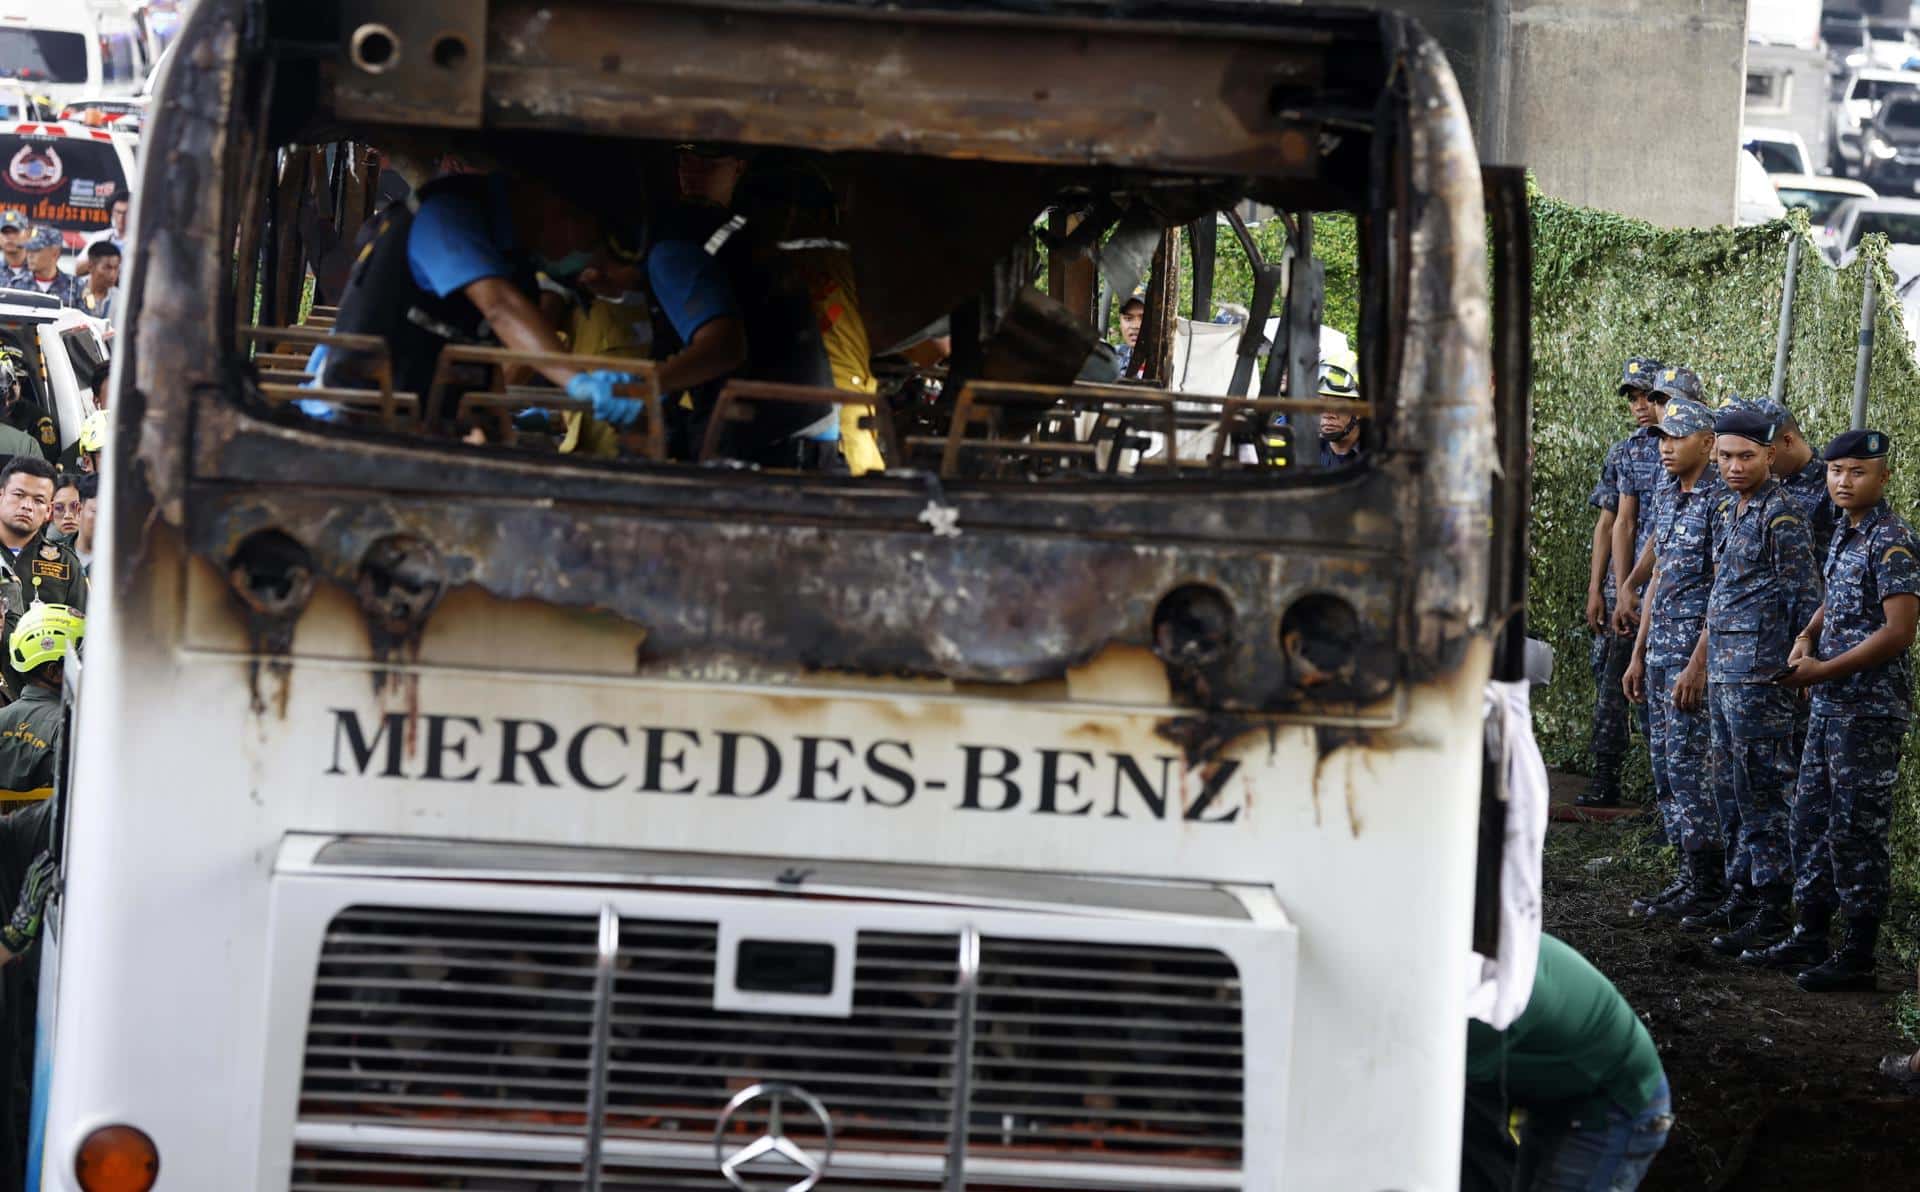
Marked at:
<point>597,387</point>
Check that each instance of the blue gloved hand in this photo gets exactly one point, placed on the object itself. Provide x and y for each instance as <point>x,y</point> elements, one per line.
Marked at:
<point>597,387</point>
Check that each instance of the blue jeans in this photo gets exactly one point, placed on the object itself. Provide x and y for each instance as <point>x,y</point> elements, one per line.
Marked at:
<point>1609,1155</point>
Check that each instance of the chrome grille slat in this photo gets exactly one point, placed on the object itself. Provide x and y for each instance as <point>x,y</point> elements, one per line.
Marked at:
<point>1091,1056</point>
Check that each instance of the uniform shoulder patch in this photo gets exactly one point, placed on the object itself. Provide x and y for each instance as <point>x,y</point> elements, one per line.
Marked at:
<point>49,436</point>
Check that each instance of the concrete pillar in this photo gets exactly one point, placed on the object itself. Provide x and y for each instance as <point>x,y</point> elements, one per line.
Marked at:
<point>1589,94</point>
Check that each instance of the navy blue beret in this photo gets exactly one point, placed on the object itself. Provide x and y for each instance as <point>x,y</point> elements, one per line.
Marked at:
<point>1746,424</point>
<point>1859,444</point>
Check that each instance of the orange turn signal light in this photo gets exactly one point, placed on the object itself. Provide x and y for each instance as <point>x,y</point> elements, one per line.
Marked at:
<point>117,1159</point>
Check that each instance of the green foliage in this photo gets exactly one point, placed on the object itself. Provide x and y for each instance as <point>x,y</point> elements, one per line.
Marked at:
<point>1606,288</point>
<point>1335,244</point>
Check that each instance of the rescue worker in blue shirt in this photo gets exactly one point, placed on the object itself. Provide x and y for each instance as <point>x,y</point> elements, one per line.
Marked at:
<point>456,263</point>
<point>1612,651</point>
<point>1853,655</point>
<point>1766,585</point>
<point>1669,668</point>
<point>712,275</point>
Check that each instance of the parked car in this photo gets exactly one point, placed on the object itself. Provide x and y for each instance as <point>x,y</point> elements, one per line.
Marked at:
<point>1780,150</point>
<point>65,51</point>
<point>1896,219</point>
<point>1859,102</point>
<point>1819,195</point>
<point>60,352</point>
<point>1756,200</point>
<point>1891,143</point>
<point>1847,38</point>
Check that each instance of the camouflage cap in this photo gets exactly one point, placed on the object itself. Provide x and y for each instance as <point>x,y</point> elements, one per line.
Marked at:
<point>1677,380</point>
<point>13,217</point>
<point>1684,417</point>
<point>1639,373</point>
<point>45,237</point>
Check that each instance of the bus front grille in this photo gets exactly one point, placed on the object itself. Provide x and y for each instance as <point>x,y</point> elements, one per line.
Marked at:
<point>487,1039</point>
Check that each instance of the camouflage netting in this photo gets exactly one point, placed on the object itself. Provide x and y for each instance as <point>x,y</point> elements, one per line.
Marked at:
<point>1607,287</point>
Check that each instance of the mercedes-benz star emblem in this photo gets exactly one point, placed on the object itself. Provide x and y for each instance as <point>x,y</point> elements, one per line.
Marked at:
<point>773,1142</point>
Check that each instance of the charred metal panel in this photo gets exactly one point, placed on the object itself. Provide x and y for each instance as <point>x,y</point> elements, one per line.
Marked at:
<point>1445,385</point>
<point>962,84</point>
<point>421,62</point>
<point>820,577</point>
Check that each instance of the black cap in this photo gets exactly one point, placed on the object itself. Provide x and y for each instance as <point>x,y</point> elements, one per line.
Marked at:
<point>1859,444</point>
<point>1747,424</point>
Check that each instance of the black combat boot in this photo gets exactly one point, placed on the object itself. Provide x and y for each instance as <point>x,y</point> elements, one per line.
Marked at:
<point>1850,970</point>
<point>1681,883</point>
<point>1806,947</point>
<point>1767,926</point>
<point>1604,790</point>
<point>1706,886</point>
<point>1732,911</point>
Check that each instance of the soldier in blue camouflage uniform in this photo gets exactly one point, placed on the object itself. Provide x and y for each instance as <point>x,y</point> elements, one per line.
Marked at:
<point>1803,474</point>
<point>1765,587</point>
<point>1669,669</point>
<point>1801,471</point>
<point>1611,651</point>
<point>1640,476</point>
<point>1853,655</point>
<point>43,275</point>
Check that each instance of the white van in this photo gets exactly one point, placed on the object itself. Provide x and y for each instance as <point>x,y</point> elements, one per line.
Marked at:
<point>66,51</point>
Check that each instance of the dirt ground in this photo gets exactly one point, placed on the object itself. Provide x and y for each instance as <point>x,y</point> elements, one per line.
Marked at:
<point>1773,1088</point>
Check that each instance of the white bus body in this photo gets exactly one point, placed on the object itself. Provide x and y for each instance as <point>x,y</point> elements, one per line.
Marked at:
<point>1071,930</point>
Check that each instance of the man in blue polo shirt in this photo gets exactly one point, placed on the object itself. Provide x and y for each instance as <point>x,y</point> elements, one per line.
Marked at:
<point>457,265</point>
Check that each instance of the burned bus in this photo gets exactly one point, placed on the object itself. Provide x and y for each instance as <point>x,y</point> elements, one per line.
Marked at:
<point>1085,798</point>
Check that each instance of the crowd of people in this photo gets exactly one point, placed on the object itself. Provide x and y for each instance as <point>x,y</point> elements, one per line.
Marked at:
<point>1752,601</point>
<point>31,256</point>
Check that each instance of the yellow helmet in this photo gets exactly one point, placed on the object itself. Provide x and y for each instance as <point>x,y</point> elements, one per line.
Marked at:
<point>93,432</point>
<point>1340,374</point>
<point>45,633</point>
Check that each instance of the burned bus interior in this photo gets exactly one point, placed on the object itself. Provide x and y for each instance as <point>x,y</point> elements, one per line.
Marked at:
<point>1003,180</point>
<point>1001,189</point>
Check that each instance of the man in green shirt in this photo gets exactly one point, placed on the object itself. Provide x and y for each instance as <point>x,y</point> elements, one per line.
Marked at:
<point>1582,1065</point>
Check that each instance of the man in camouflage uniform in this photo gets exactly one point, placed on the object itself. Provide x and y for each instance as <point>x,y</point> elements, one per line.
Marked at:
<point>1765,587</point>
<point>1611,651</point>
<point>45,247</point>
<point>1669,668</point>
<point>1862,701</point>
<point>1800,471</point>
<point>1803,474</point>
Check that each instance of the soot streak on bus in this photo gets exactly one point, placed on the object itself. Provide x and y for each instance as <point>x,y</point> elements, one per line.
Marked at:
<point>802,768</point>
